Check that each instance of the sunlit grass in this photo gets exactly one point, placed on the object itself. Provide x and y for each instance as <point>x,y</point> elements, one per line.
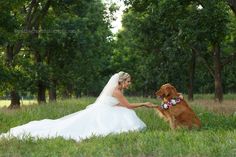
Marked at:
<point>5,103</point>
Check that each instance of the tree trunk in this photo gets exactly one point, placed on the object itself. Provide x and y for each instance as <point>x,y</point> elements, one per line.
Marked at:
<point>15,98</point>
<point>232,4</point>
<point>217,74</point>
<point>52,92</point>
<point>9,56</point>
<point>70,90</point>
<point>65,94</point>
<point>191,76</point>
<point>38,60</point>
<point>41,92</point>
<point>41,86</point>
<point>52,86</point>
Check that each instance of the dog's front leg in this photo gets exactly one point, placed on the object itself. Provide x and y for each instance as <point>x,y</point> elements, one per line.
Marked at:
<point>172,123</point>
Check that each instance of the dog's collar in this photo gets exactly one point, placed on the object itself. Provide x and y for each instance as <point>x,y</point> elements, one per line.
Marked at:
<point>172,102</point>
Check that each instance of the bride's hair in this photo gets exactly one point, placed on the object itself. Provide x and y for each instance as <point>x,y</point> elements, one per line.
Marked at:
<point>123,76</point>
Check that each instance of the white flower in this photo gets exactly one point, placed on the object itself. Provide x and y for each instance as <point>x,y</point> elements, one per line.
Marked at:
<point>165,106</point>
<point>173,101</point>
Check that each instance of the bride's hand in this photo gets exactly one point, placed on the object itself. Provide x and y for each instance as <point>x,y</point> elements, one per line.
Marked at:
<point>149,105</point>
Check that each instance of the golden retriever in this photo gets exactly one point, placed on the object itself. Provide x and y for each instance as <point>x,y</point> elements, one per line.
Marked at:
<point>175,109</point>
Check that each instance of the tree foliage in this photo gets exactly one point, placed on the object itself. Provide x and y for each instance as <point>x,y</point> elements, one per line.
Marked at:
<point>65,48</point>
<point>163,34</point>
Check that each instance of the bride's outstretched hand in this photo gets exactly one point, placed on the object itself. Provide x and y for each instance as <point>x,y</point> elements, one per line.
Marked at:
<point>149,105</point>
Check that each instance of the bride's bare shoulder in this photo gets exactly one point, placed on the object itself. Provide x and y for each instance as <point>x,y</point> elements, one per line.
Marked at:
<point>117,92</point>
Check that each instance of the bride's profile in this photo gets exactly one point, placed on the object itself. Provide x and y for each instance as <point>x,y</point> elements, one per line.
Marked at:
<point>110,113</point>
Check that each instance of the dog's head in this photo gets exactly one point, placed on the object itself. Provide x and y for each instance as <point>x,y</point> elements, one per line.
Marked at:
<point>167,92</point>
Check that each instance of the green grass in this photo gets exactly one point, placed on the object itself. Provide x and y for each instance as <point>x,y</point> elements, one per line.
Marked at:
<point>216,138</point>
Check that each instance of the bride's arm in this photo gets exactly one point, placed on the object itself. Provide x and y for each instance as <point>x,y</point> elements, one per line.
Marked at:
<point>124,102</point>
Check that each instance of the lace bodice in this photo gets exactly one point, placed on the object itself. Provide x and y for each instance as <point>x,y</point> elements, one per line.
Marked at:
<point>108,101</point>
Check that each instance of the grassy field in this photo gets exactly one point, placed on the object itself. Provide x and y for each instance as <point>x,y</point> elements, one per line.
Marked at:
<point>217,137</point>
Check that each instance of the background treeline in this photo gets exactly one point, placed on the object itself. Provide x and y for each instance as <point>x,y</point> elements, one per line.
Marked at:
<point>64,48</point>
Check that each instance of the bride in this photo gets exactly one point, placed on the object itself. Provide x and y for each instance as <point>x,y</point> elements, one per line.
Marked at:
<point>110,113</point>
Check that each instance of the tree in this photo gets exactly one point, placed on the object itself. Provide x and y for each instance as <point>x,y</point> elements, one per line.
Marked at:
<point>194,28</point>
<point>59,43</point>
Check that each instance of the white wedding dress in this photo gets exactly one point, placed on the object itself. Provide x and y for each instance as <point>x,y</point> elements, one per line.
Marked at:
<point>101,118</point>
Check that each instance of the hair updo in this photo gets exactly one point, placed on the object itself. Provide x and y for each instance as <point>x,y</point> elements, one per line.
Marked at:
<point>123,76</point>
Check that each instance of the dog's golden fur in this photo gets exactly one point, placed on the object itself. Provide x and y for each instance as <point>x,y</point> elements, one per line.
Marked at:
<point>180,115</point>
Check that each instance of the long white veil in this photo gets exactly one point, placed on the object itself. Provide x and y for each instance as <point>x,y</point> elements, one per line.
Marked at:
<point>107,90</point>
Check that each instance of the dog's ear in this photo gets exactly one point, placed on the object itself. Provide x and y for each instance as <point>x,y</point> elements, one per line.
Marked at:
<point>167,91</point>
<point>174,92</point>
